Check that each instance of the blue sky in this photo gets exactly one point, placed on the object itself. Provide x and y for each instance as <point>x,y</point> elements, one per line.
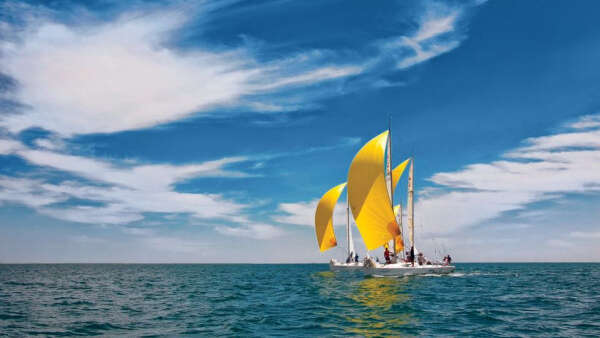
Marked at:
<point>206,131</point>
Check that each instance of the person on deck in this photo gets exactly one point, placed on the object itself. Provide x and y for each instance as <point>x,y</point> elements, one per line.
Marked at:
<point>356,258</point>
<point>449,259</point>
<point>386,254</point>
<point>421,258</point>
<point>412,255</point>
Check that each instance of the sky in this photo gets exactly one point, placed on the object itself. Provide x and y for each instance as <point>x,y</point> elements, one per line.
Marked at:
<point>207,131</point>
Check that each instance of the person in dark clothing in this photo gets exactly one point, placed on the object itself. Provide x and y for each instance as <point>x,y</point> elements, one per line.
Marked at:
<point>412,255</point>
<point>356,258</point>
<point>449,260</point>
<point>386,254</point>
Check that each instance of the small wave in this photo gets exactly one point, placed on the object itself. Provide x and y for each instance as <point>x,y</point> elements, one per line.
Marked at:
<point>456,274</point>
<point>72,303</point>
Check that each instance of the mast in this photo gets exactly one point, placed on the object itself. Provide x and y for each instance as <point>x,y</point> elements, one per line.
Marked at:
<point>389,169</point>
<point>399,219</point>
<point>411,207</point>
<point>349,228</point>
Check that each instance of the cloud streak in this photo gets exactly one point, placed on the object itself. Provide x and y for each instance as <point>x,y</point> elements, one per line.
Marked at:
<point>126,74</point>
<point>124,193</point>
<point>436,34</point>
<point>542,168</point>
<point>123,75</point>
<point>251,230</point>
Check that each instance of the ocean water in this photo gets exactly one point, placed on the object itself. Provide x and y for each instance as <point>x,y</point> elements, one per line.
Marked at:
<point>298,300</point>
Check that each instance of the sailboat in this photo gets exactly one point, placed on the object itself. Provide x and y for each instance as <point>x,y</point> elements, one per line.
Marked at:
<point>371,187</point>
<point>324,224</point>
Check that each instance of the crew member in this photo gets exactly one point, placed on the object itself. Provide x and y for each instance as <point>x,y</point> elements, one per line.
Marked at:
<point>386,254</point>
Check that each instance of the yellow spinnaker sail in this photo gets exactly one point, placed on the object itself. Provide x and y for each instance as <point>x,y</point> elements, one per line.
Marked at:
<point>324,218</point>
<point>368,195</point>
<point>397,173</point>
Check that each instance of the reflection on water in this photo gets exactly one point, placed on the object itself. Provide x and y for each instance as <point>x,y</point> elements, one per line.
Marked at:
<point>363,306</point>
<point>381,307</point>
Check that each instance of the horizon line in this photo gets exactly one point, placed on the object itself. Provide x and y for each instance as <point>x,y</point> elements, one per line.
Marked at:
<point>280,263</point>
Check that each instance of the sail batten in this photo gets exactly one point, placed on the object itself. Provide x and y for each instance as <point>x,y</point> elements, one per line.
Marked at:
<point>368,194</point>
<point>324,218</point>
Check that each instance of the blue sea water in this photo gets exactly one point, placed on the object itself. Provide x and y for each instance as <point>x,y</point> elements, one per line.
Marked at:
<point>545,299</point>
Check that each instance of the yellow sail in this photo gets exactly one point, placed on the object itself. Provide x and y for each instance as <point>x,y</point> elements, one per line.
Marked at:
<point>398,213</point>
<point>368,195</point>
<point>324,217</point>
<point>397,173</point>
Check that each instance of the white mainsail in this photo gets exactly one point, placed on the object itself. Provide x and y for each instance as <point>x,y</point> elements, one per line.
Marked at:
<point>349,229</point>
<point>411,208</point>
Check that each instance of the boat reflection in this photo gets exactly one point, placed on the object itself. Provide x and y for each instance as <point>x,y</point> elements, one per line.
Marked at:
<point>381,307</point>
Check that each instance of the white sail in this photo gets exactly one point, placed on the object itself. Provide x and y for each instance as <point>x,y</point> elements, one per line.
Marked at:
<point>411,208</point>
<point>388,168</point>
<point>398,213</point>
<point>349,229</point>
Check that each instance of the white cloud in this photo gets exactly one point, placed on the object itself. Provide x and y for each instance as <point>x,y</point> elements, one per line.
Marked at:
<point>124,193</point>
<point>256,231</point>
<point>8,146</point>
<point>27,191</point>
<point>50,143</point>
<point>303,213</point>
<point>436,35</point>
<point>146,177</point>
<point>123,75</point>
<point>434,24</point>
<point>126,74</point>
<point>543,168</point>
<point>300,213</point>
<point>589,121</point>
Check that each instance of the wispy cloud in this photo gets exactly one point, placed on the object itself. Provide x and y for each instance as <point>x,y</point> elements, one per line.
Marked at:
<point>123,75</point>
<point>93,77</point>
<point>124,192</point>
<point>543,168</point>
<point>303,213</point>
<point>436,34</point>
<point>256,231</point>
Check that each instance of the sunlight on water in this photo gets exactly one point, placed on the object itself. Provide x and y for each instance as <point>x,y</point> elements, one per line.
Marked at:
<point>375,298</point>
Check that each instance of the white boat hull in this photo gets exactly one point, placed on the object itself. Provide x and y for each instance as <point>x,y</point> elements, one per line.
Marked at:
<point>403,269</point>
<point>334,265</point>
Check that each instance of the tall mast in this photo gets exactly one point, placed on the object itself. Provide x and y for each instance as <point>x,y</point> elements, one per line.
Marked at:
<point>348,228</point>
<point>411,207</point>
<point>389,168</point>
<point>400,226</point>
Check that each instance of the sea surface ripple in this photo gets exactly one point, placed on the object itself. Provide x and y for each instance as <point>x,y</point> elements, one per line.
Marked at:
<point>504,300</point>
